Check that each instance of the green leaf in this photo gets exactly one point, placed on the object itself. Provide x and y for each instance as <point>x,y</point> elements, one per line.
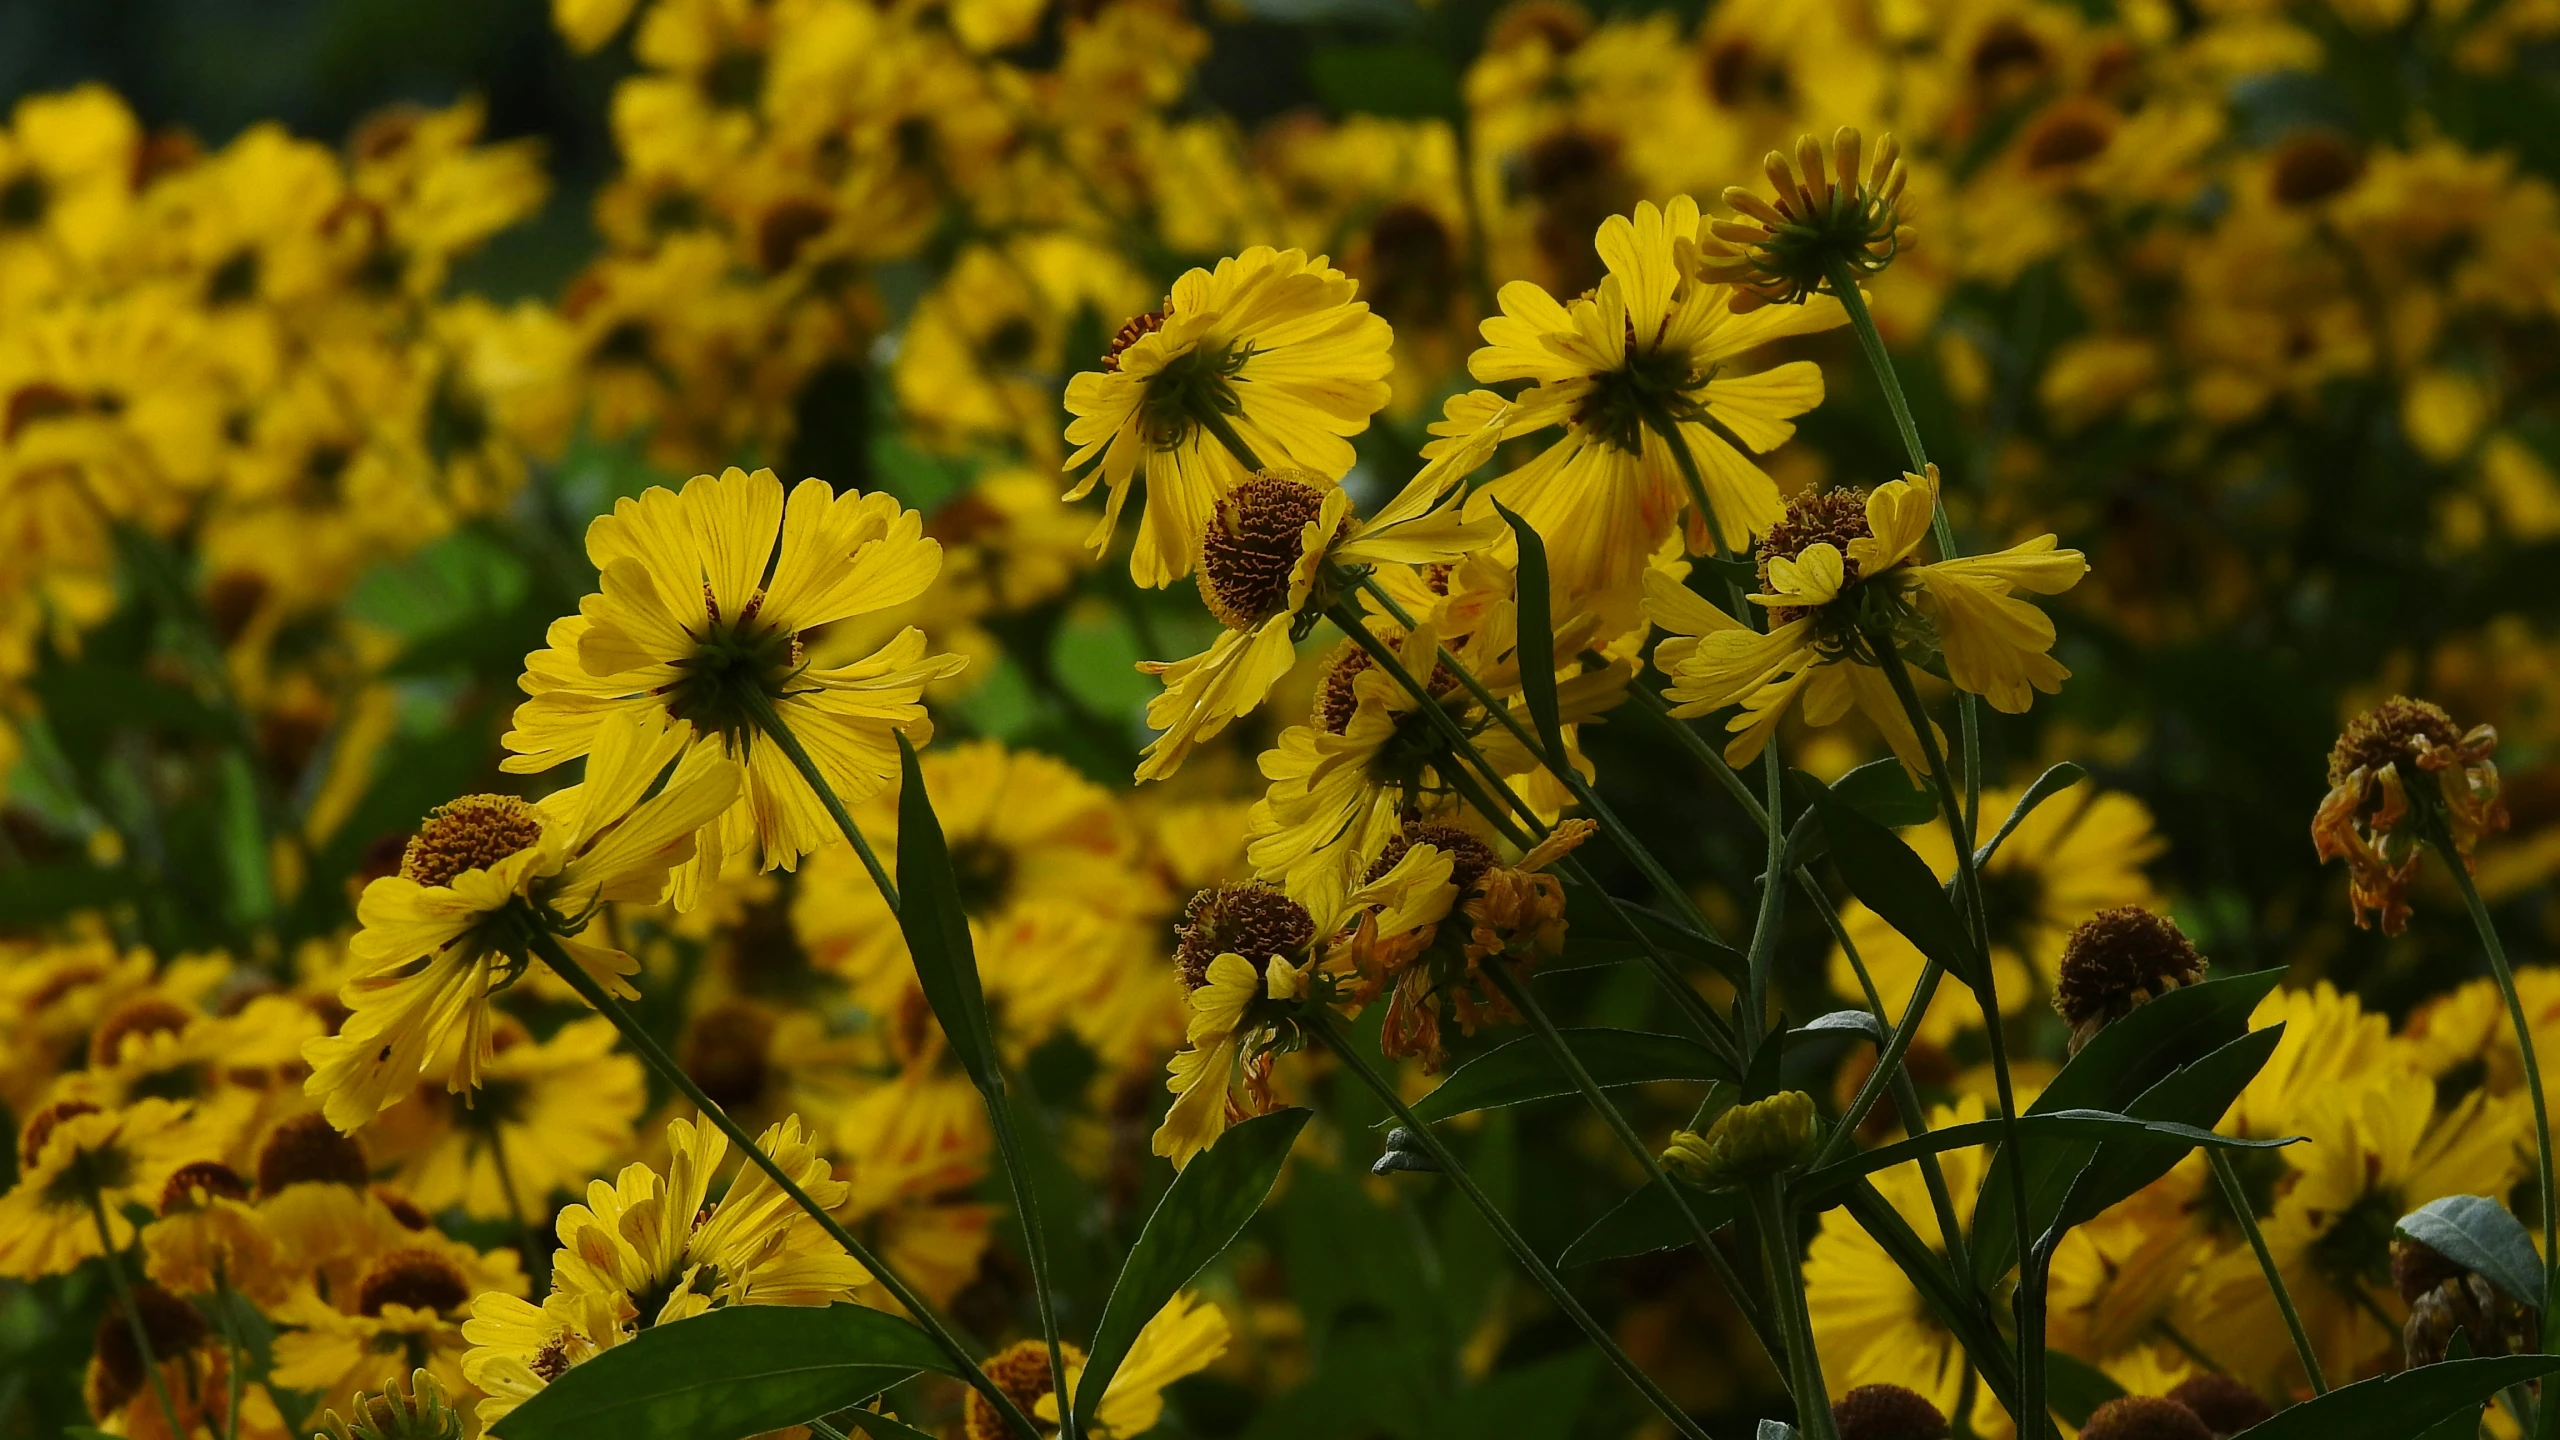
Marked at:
<point>2117,1065</point>
<point>1524,1069</point>
<point>881,1427</point>
<point>1881,791</point>
<point>2074,1387</point>
<point>2049,784</point>
<point>2480,1234</point>
<point>1775,1430</point>
<point>33,894</point>
<point>1596,930</point>
<point>1953,1304</point>
<point>1898,885</point>
<point>937,929</point>
<point>1537,637</point>
<point>1822,1187</point>
<point>1649,1220</point>
<point>1761,1080</point>
<point>2197,1095</point>
<point>1201,1214</point>
<point>1541,1401</point>
<point>737,1371</point>
<point>2394,1407</point>
<point>1857,1022</point>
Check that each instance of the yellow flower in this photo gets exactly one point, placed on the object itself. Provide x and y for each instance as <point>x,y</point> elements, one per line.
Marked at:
<point>1251,957</point>
<point>1272,561</point>
<point>70,1152</point>
<point>2081,852</point>
<point>651,1248</point>
<point>1833,573</point>
<point>405,1314</point>
<point>1184,1337</point>
<point>547,1114</point>
<point>687,628</point>
<point>1270,347</point>
<point>1783,251</point>
<point>447,932</point>
<point>1646,356</point>
<point>208,1236</point>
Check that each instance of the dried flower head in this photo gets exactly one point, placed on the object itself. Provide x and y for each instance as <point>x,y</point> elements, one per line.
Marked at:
<point>2444,1298</point>
<point>1887,1412</point>
<point>2403,774</point>
<point>2144,1417</point>
<point>1780,250</point>
<point>2226,1406</point>
<point>2118,959</point>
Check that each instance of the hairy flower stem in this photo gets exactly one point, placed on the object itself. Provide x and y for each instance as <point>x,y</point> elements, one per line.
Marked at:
<point>961,1355</point>
<point>114,1261</point>
<point>1331,1037</point>
<point>2432,819</point>
<point>1783,1258</point>
<point>1544,1025</point>
<point>2247,1215</point>
<point>1844,287</point>
<point>999,1112</point>
<point>1683,996</point>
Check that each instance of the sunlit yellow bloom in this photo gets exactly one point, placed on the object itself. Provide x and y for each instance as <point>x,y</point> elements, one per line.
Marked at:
<point>1835,574</point>
<point>1648,355</point>
<point>1184,1337</point>
<point>441,937</point>
<point>1272,561</point>
<point>1269,346</point>
<point>687,627</point>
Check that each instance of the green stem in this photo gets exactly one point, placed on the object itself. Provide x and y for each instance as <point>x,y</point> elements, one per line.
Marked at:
<point>537,1253</point>
<point>2246,1214</point>
<point>1672,440</point>
<point>1332,1039</point>
<point>1773,897</point>
<point>231,1377</point>
<point>1225,431</point>
<point>116,1277</point>
<point>2433,820</point>
<point>1783,1260</point>
<point>1541,1022</point>
<point>999,1111</point>
<point>964,1363</point>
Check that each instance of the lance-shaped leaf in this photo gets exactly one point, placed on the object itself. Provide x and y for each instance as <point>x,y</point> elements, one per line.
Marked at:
<point>1521,1070</point>
<point>1598,931</point>
<point>2049,784</point>
<point>1649,1220</point>
<point>737,1371</point>
<point>937,929</point>
<point>2477,1233</point>
<point>1199,1216</point>
<point>1537,637</point>
<point>2197,1095</point>
<point>2394,1407</point>
<point>2118,1064</point>
<point>1883,792</point>
<point>1898,885</point>
<point>1824,1187</point>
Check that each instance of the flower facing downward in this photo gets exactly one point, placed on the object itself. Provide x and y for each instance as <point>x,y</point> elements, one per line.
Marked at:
<point>1281,547</point>
<point>2381,804</point>
<point>2226,1406</point>
<point>449,931</point>
<point>703,599</point>
<point>2444,1297</point>
<point>72,1154</point>
<point>1268,350</point>
<point>1751,1140</point>
<point>2119,959</point>
<point>1781,250</point>
<point>1840,574</point>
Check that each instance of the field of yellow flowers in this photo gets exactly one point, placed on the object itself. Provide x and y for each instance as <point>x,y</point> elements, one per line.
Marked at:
<point>1297,720</point>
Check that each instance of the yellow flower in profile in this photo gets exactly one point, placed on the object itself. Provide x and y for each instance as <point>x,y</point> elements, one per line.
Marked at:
<point>1269,348</point>
<point>1647,356</point>
<point>2080,852</point>
<point>71,1155</point>
<point>1250,957</point>
<point>447,932</point>
<point>1183,1338</point>
<point>1275,558</point>
<point>650,1248</point>
<point>1839,566</point>
<point>687,627</point>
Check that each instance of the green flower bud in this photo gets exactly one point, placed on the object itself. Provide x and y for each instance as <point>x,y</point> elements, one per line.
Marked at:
<point>1757,1138</point>
<point>422,1413</point>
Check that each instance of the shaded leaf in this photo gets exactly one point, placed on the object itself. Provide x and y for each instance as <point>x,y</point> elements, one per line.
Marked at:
<point>1537,636</point>
<point>1858,1022</point>
<point>737,1371</point>
<point>2197,1095</point>
<point>2074,1387</point>
<point>1649,1220</point>
<point>1199,1216</point>
<point>937,929</point>
<point>1881,791</point>
<point>1521,1070</point>
<point>1763,1078</point>
<point>1822,1187</point>
<point>1898,885</point>
<point>1540,1401</point>
<point>2047,785</point>
<point>2394,1407</point>
<point>1596,930</point>
<point>881,1427</point>
<point>2480,1234</point>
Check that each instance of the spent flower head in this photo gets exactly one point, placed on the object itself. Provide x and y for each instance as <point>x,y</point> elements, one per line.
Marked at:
<point>2404,774</point>
<point>2117,959</point>
<point>1783,249</point>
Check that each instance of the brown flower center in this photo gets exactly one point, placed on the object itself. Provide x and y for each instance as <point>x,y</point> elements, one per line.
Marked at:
<point>2399,729</point>
<point>2226,1406</point>
<point>136,1019</point>
<point>173,1328</point>
<point>1021,1371</point>
<point>309,1148</point>
<point>1248,557</point>
<point>1337,695</point>
<point>1137,328</point>
<point>1253,919</point>
<point>2119,958</point>
<point>472,833</point>
<point>1470,857</point>
<point>40,1127</point>
<point>2313,165</point>
<point>419,1279</point>
<point>196,1185</point>
<point>2144,1417</point>
<point>1887,1412</point>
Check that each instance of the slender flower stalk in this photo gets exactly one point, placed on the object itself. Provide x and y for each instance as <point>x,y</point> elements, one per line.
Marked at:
<point>2246,1214</point>
<point>962,1356</point>
<point>113,1259</point>
<point>1783,1254</point>
<point>1331,1037</point>
<point>232,1379</point>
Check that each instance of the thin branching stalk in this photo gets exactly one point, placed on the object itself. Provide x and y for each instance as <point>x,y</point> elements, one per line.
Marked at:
<point>2247,1215</point>
<point>1331,1037</point>
<point>114,1261</point>
<point>1783,1259</point>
